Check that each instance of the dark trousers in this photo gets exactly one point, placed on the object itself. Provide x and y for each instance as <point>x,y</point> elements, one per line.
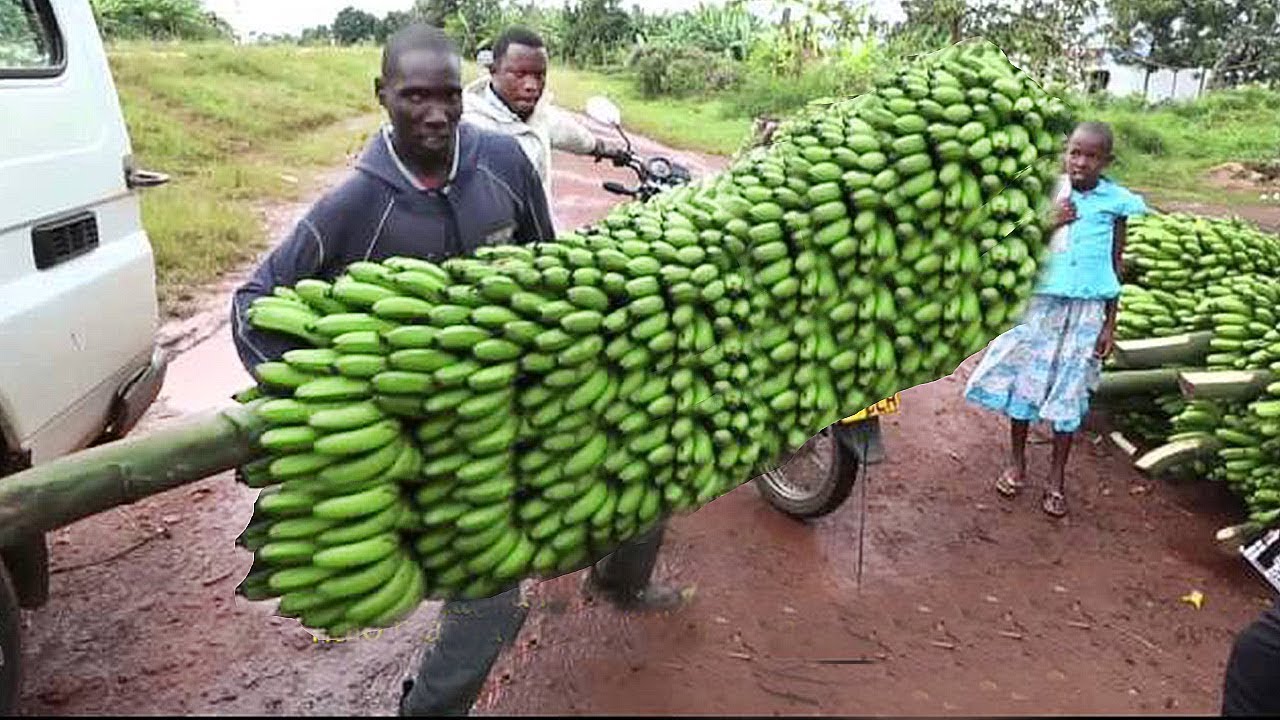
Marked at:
<point>473,633</point>
<point>1252,683</point>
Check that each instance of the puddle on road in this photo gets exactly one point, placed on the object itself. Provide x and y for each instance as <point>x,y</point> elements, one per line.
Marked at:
<point>205,376</point>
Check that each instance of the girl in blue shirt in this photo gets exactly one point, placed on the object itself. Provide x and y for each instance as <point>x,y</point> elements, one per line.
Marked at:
<point>1046,368</point>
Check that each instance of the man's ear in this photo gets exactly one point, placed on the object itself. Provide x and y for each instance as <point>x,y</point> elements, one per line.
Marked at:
<point>377,90</point>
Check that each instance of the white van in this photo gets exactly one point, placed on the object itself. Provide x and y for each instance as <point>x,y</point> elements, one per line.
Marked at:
<point>78,311</point>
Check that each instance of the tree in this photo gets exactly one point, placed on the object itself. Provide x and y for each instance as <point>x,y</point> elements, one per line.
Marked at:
<point>318,35</point>
<point>1241,40</point>
<point>159,20</point>
<point>475,23</point>
<point>351,26</point>
<point>1155,33</point>
<point>593,29</point>
<point>1045,37</point>
<point>434,12</point>
<point>393,21</point>
<point>1238,40</point>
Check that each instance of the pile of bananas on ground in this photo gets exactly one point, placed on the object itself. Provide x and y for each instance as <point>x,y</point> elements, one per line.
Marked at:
<point>1202,300</point>
<point>451,429</point>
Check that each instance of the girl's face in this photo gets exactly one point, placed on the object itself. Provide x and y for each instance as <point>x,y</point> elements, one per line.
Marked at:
<point>1085,159</point>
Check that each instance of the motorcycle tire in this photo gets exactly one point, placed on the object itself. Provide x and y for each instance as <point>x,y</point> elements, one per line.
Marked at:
<point>10,644</point>
<point>814,481</point>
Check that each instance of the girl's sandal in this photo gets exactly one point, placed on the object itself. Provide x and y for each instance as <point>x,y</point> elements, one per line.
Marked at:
<point>1054,503</point>
<point>1006,485</point>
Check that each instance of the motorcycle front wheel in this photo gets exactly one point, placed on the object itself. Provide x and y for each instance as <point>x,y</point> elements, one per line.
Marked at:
<point>814,481</point>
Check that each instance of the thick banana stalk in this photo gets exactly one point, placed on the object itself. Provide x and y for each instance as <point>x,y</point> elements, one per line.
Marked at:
<point>1224,384</point>
<point>1168,456</point>
<point>1189,349</point>
<point>56,494</point>
<point>1121,384</point>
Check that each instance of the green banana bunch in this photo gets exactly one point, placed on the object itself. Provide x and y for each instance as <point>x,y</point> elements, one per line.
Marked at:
<point>449,429</point>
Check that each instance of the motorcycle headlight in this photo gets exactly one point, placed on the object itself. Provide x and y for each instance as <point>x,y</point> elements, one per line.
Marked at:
<point>659,168</point>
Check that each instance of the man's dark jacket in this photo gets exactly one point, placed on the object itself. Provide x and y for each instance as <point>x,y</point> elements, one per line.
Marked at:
<point>494,198</point>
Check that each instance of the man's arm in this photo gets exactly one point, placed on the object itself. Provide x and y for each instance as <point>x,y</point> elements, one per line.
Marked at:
<point>569,135</point>
<point>301,255</point>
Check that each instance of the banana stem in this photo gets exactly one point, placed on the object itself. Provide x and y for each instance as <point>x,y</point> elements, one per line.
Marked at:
<point>1127,383</point>
<point>58,493</point>
<point>1171,455</point>
<point>1224,384</point>
<point>1187,349</point>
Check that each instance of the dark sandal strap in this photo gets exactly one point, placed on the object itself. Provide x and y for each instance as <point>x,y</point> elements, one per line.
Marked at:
<point>1054,499</point>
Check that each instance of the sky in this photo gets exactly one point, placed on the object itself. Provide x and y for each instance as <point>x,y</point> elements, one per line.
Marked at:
<point>291,16</point>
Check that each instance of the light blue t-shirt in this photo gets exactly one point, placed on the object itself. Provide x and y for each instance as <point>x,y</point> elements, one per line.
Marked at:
<point>1084,267</point>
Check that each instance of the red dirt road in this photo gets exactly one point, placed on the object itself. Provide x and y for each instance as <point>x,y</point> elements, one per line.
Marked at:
<point>969,605</point>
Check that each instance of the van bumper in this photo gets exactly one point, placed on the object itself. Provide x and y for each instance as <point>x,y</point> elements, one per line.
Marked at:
<point>135,396</point>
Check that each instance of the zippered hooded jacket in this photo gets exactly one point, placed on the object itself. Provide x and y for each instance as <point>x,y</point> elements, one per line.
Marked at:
<point>493,197</point>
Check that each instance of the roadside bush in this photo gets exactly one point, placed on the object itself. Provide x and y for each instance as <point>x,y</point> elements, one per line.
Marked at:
<point>765,92</point>
<point>1133,133</point>
<point>679,71</point>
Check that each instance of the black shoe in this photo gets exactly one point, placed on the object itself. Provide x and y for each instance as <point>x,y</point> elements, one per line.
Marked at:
<point>653,597</point>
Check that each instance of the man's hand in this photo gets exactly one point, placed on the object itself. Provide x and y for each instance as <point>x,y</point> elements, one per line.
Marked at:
<point>1106,342</point>
<point>605,150</point>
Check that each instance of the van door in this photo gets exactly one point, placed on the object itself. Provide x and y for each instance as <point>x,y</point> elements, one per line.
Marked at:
<point>77,278</point>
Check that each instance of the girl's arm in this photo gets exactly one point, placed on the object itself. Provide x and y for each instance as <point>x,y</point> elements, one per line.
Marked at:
<point>1107,336</point>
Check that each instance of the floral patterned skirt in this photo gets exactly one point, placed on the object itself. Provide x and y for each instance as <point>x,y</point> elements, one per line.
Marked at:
<point>1043,369</point>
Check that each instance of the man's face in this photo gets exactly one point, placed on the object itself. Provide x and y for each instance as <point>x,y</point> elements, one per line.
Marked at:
<point>520,77</point>
<point>423,100</point>
<point>1086,157</point>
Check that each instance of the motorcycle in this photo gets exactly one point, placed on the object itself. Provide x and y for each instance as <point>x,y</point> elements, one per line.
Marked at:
<point>820,476</point>
<point>654,174</point>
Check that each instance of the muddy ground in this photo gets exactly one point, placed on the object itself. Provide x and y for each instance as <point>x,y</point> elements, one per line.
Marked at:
<point>967,604</point>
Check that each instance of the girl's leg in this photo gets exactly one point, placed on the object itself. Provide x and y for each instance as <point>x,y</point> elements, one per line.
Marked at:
<point>1055,501</point>
<point>1015,473</point>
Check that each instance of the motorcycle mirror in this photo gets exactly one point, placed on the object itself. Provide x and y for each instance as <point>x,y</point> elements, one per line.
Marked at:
<point>601,110</point>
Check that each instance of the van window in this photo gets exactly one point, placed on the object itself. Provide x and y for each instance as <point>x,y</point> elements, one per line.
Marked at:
<point>29,42</point>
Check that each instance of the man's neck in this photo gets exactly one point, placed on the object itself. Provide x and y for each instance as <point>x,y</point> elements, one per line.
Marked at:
<point>524,117</point>
<point>432,170</point>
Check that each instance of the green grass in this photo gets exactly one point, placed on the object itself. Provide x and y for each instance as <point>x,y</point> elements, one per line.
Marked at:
<point>1166,151</point>
<point>234,127</point>
<point>699,124</point>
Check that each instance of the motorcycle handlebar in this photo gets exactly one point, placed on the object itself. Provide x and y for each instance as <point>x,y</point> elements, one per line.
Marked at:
<point>618,188</point>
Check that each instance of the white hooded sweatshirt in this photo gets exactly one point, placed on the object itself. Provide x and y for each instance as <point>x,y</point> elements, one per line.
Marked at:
<point>548,128</point>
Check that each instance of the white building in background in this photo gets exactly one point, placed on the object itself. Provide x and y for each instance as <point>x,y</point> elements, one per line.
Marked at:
<point>1119,76</point>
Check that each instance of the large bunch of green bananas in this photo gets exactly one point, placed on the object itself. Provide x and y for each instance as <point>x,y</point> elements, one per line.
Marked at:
<point>1173,260</point>
<point>451,429</point>
<point>1219,278</point>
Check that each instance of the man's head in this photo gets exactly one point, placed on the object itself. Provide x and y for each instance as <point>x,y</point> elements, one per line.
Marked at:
<point>1088,154</point>
<point>421,90</point>
<point>519,69</point>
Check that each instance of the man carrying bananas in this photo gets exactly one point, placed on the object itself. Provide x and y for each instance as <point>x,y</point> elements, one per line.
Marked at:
<point>428,185</point>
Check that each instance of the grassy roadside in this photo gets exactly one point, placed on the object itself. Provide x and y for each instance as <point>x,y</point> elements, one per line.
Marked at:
<point>234,127</point>
<point>692,124</point>
<point>1167,151</point>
